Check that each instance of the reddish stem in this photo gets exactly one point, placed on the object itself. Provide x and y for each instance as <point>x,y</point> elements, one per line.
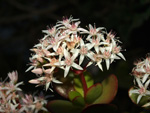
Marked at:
<point>83,83</point>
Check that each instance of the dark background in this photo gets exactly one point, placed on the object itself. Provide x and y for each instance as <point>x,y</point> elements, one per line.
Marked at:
<point>21,22</point>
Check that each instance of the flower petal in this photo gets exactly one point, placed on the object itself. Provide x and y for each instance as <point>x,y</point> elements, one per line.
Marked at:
<point>89,46</point>
<point>147,84</point>
<point>100,66</point>
<point>139,82</point>
<point>47,85</point>
<point>121,55</point>
<point>76,66</point>
<point>96,49</point>
<point>81,59</point>
<point>88,37</point>
<point>81,42</point>
<point>75,54</point>
<point>56,81</point>
<point>66,70</point>
<point>100,28</point>
<point>139,98</point>
<point>146,105</point>
<point>29,68</point>
<point>145,78</point>
<point>66,53</point>
<point>107,63</point>
<point>90,63</point>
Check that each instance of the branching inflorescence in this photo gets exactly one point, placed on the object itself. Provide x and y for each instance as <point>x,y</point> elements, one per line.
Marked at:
<point>66,45</point>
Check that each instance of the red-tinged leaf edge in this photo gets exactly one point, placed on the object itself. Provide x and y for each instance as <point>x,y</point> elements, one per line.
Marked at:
<point>93,93</point>
<point>79,101</point>
<point>76,98</point>
<point>110,88</point>
<point>78,84</point>
<point>73,94</point>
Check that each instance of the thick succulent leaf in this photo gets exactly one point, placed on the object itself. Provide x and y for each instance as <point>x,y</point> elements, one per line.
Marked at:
<point>73,94</point>
<point>100,108</point>
<point>63,106</point>
<point>78,84</point>
<point>76,98</point>
<point>79,101</point>
<point>133,97</point>
<point>110,87</point>
<point>93,93</point>
<point>66,87</point>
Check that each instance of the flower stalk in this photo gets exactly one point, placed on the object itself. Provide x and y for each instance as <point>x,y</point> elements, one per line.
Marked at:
<point>83,83</point>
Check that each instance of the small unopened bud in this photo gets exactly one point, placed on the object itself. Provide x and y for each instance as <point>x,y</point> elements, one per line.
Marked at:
<point>37,71</point>
<point>34,81</point>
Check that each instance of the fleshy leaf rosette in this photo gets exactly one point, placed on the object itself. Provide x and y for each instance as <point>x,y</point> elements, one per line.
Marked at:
<point>140,93</point>
<point>97,98</point>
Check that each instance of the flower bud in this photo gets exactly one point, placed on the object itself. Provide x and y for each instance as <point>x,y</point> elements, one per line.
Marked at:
<point>37,71</point>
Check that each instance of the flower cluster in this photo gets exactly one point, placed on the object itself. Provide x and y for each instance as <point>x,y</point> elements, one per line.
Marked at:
<point>66,45</point>
<point>141,73</point>
<point>12,100</point>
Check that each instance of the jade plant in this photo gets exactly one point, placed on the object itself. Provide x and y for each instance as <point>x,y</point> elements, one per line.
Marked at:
<point>60,61</point>
<point>140,93</point>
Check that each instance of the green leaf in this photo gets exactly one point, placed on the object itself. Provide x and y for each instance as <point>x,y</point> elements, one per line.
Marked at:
<point>73,94</point>
<point>93,93</point>
<point>67,86</point>
<point>100,108</point>
<point>59,106</point>
<point>133,97</point>
<point>76,98</point>
<point>79,101</point>
<point>78,84</point>
<point>110,87</point>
